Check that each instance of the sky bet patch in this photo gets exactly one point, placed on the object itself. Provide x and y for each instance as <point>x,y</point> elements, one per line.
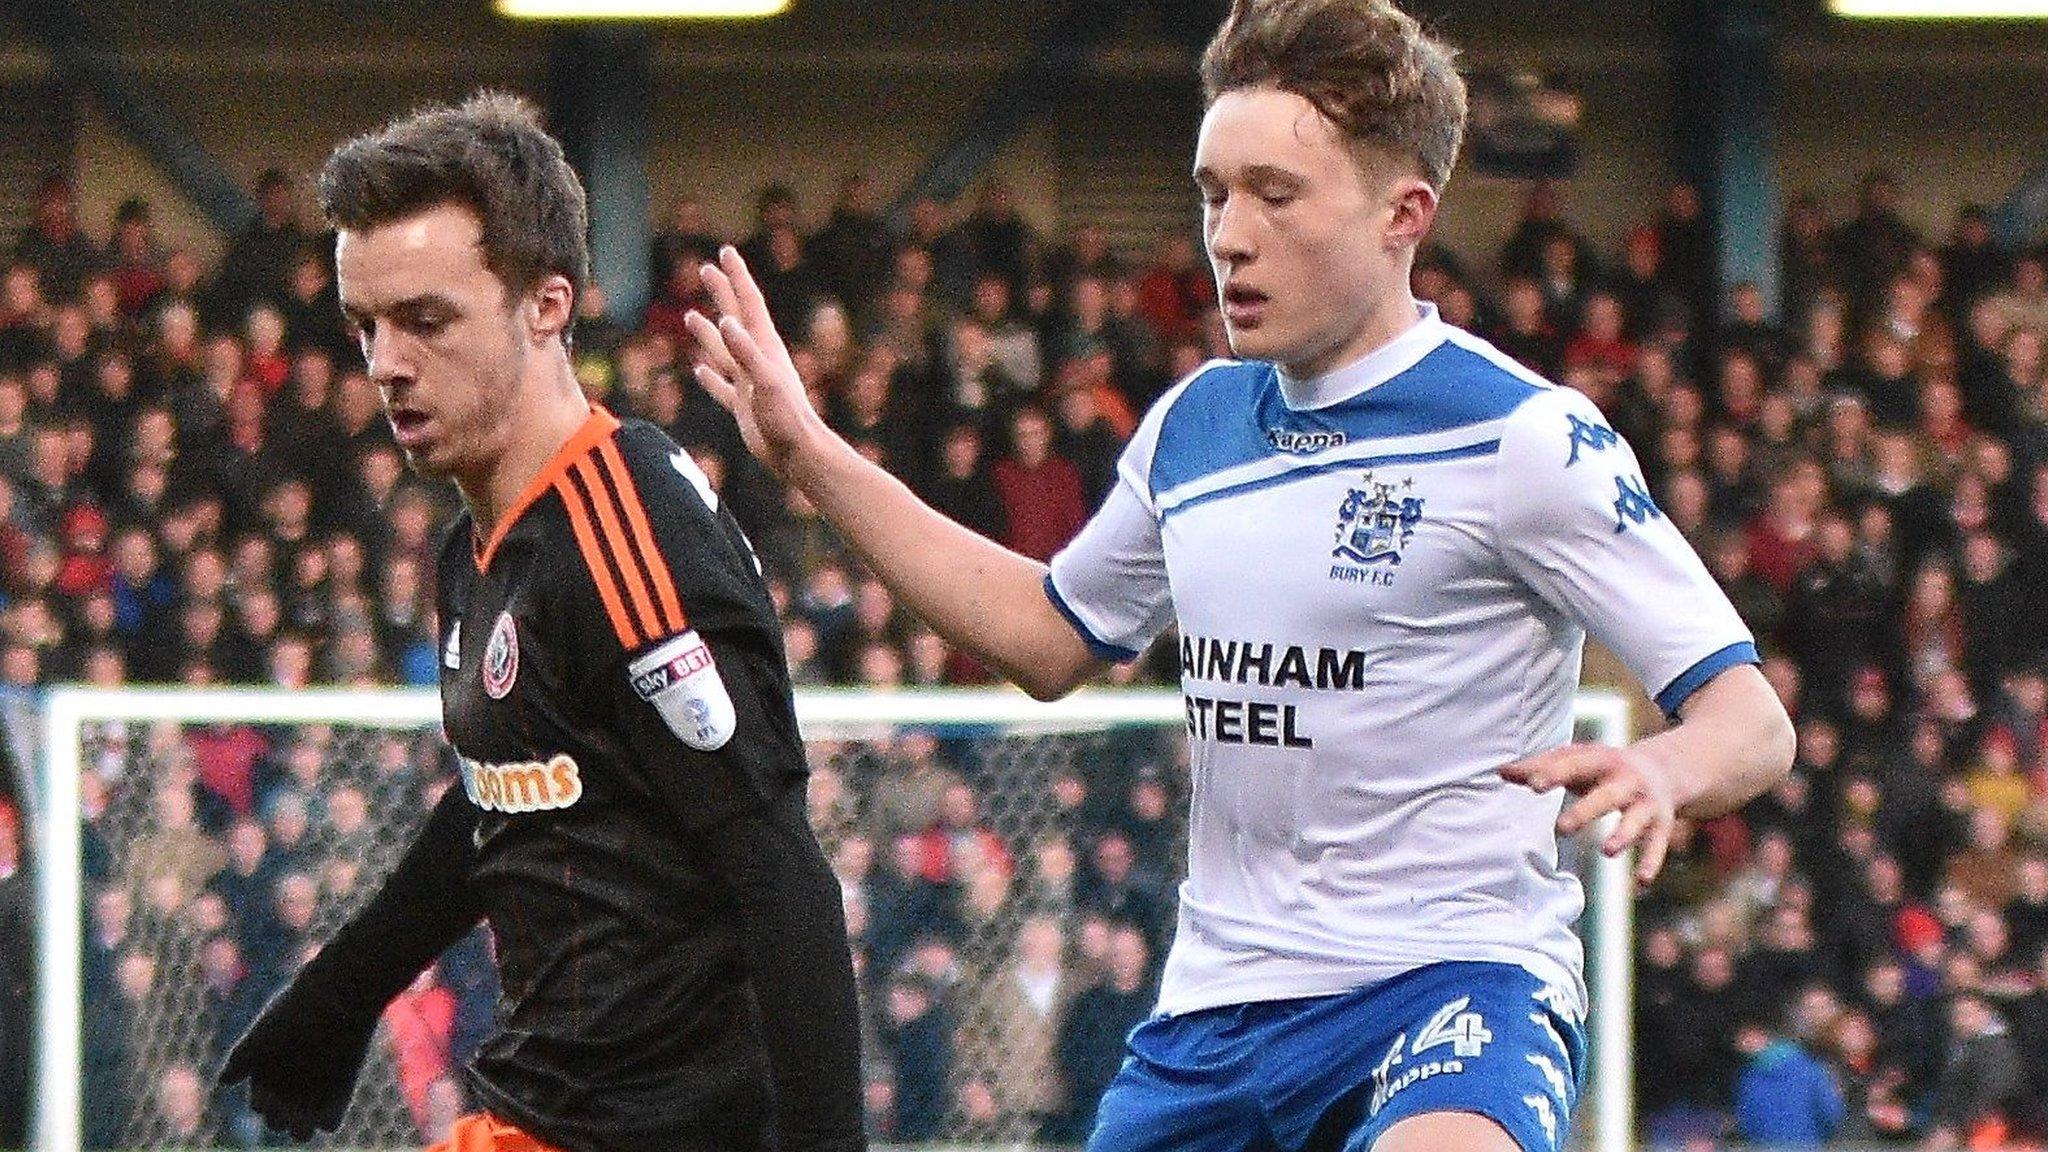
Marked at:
<point>681,681</point>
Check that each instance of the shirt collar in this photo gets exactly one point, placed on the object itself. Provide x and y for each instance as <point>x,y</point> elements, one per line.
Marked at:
<point>1371,370</point>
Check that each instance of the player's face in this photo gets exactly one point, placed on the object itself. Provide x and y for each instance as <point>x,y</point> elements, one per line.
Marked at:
<point>1309,248</point>
<point>442,339</point>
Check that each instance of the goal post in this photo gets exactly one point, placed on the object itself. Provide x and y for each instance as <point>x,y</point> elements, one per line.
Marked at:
<point>1015,740</point>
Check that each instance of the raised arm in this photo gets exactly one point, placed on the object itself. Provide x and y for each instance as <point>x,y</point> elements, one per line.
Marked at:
<point>971,590</point>
<point>1732,743</point>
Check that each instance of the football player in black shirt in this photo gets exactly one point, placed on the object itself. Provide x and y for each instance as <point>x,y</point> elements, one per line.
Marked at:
<point>631,817</point>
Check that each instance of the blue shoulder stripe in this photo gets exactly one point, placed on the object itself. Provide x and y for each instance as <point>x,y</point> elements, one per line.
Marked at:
<point>1227,416</point>
<point>1213,425</point>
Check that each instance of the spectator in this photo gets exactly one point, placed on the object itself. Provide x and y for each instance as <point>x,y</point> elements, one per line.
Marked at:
<point>1013,1023</point>
<point>177,1110</point>
<point>1784,1096</point>
<point>961,487</point>
<point>54,244</point>
<point>851,252</point>
<point>176,847</point>
<point>959,844</point>
<point>1044,503</point>
<point>1873,1109</point>
<point>903,907</point>
<point>258,263</point>
<point>1981,1079</point>
<point>919,1037</point>
<point>1111,888</point>
<point>1910,1027</point>
<point>1091,1036</point>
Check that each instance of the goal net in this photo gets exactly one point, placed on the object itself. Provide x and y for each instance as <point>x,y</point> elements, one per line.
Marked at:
<point>981,839</point>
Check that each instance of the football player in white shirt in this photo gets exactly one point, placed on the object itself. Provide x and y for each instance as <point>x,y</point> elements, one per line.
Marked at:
<point>1383,544</point>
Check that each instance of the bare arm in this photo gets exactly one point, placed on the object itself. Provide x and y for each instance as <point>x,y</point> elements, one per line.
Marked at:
<point>971,590</point>
<point>1732,742</point>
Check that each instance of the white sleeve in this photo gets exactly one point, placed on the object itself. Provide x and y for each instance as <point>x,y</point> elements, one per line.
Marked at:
<point>1110,581</point>
<point>1577,523</point>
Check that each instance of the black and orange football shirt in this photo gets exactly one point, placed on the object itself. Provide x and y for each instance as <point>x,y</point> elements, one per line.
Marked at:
<point>613,680</point>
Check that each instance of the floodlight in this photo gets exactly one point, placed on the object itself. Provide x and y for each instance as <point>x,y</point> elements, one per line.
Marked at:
<point>640,9</point>
<point>1940,9</point>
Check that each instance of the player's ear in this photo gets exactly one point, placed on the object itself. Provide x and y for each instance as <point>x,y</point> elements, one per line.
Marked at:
<point>1414,203</point>
<point>550,308</point>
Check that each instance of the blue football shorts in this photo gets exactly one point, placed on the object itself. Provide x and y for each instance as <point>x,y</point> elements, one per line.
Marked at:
<point>1331,1073</point>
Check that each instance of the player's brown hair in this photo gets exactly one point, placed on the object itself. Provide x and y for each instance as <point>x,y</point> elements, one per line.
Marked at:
<point>1366,65</point>
<point>488,154</point>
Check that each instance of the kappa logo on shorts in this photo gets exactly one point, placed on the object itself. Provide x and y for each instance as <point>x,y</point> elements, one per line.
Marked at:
<point>501,658</point>
<point>1452,1025</point>
<point>1545,1115</point>
<point>1552,1075</point>
<point>451,655</point>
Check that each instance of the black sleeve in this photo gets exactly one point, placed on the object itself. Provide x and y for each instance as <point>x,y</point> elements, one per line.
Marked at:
<point>425,905</point>
<point>794,939</point>
<point>699,552</point>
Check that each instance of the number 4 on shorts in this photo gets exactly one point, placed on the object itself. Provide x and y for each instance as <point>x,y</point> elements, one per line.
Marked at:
<point>1464,1031</point>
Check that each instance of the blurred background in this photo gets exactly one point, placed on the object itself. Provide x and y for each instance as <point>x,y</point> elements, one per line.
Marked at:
<point>1795,257</point>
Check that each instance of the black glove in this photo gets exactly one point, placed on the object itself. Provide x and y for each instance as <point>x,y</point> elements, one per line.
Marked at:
<point>301,1056</point>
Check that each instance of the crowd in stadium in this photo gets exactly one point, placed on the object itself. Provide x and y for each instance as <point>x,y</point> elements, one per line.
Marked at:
<point>197,486</point>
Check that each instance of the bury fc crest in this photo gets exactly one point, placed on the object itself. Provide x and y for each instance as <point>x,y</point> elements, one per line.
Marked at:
<point>1376,521</point>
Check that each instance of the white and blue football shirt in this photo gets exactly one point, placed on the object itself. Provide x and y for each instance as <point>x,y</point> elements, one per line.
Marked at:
<point>1383,580</point>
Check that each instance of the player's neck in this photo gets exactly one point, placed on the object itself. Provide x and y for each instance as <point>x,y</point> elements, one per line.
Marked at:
<point>549,415</point>
<point>1396,314</point>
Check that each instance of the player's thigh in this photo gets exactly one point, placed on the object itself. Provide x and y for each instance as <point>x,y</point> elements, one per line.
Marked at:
<point>1446,1132</point>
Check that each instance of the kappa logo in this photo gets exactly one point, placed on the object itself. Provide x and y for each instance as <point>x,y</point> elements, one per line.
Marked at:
<point>501,658</point>
<point>1545,1115</point>
<point>1303,443</point>
<point>451,655</point>
<point>523,786</point>
<point>1633,504</point>
<point>1454,1026</point>
<point>1588,435</point>
<point>1552,1075</point>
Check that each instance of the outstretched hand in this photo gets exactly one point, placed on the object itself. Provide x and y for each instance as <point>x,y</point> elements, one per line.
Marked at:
<point>746,367</point>
<point>301,1058</point>
<point>1607,779</point>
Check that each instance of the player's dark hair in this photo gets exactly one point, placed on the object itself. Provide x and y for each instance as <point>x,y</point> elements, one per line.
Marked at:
<point>1365,64</point>
<point>488,154</point>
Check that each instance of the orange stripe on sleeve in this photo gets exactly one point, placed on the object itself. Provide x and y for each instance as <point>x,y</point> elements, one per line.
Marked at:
<point>621,549</point>
<point>594,559</point>
<point>636,515</point>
